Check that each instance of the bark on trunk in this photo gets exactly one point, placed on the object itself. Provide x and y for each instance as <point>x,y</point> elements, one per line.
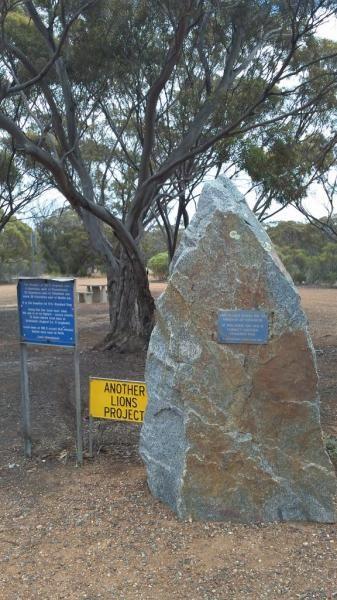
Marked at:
<point>131,308</point>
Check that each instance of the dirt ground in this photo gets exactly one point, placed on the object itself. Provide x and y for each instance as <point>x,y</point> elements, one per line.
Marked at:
<point>96,532</point>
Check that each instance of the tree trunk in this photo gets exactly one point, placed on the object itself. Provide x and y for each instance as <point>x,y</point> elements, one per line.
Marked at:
<point>131,308</point>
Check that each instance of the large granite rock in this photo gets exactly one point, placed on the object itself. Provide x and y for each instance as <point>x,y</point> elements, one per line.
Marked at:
<point>232,431</point>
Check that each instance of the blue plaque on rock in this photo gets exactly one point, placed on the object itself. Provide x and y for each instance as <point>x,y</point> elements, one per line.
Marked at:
<point>242,327</point>
<point>47,311</point>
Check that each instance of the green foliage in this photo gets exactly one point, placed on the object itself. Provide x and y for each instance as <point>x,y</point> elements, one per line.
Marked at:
<point>99,48</point>
<point>159,265</point>
<point>102,66</point>
<point>15,250</point>
<point>282,167</point>
<point>65,245</point>
<point>21,30</point>
<point>15,240</point>
<point>9,173</point>
<point>308,255</point>
<point>298,235</point>
<point>152,243</point>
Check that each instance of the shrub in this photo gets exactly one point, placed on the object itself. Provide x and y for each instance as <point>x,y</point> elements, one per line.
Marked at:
<point>159,265</point>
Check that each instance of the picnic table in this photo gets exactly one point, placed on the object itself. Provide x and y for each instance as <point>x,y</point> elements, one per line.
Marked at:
<point>93,293</point>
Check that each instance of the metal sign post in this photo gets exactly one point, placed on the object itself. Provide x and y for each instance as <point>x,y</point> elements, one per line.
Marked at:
<point>91,435</point>
<point>25,405</point>
<point>47,317</point>
<point>79,437</point>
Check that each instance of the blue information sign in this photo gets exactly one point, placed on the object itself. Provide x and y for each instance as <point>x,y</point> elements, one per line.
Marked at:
<point>242,327</point>
<point>46,311</point>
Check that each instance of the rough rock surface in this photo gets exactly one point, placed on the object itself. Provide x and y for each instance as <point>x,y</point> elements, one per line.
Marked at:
<point>232,431</point>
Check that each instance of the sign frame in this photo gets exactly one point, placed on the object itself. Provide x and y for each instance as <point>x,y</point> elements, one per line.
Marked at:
<point>116,420</point>
<point>46,280</point>
<point>25,343</point>
<point>231,326</point>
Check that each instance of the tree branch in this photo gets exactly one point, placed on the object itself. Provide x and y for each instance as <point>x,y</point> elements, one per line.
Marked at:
<point>153,95</point>
<point>15,89</point>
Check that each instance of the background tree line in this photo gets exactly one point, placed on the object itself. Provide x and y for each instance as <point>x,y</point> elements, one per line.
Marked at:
<point>308,254</point>
<point>60,245</point>
<point>57,243</point>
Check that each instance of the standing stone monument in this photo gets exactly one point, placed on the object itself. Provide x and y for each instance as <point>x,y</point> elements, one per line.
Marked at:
<point>232,429</point>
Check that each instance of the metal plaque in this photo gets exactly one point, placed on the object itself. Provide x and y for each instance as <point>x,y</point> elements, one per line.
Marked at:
<point>242,327</point>
<point>46,311</point>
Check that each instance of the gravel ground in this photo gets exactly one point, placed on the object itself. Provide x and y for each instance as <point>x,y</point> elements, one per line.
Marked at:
<point>96,532</point>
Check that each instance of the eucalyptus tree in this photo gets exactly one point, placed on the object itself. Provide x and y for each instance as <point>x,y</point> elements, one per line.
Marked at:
<point>283,161</point>
<point>20,184</point>
<point>64,244</point>
<point>16,253</point>
<point>163,90</point>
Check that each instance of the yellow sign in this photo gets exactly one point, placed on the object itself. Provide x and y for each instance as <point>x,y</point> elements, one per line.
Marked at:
<point>117,400</point>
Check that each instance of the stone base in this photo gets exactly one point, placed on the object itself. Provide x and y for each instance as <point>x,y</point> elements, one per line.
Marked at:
<point>232,431</point>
